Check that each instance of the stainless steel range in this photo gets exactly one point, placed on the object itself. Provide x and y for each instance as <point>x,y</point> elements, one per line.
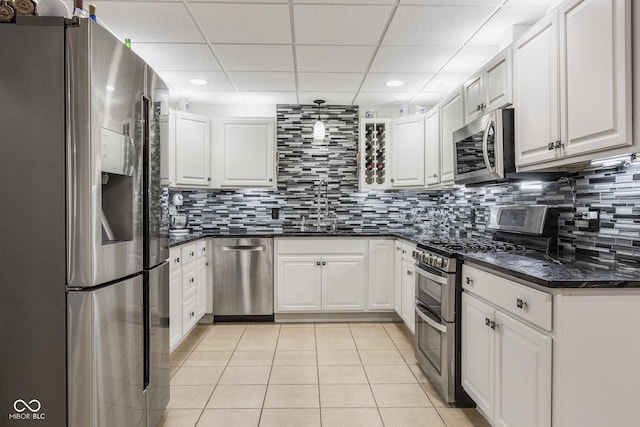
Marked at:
<point>438,288</point>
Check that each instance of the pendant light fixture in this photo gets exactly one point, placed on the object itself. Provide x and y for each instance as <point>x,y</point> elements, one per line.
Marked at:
<point>318,128</point>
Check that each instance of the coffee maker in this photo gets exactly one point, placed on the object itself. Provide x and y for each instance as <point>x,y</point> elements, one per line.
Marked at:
<point>178,220</point>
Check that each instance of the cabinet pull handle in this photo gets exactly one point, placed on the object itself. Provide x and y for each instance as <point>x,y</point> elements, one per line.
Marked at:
<point>324,263</point>
<point>318,263</point>
<point>487,321</point>
<point>408,273</point>
<point>469,281</point>
<point>493,325</point>
<point>193,314</point>
<point>177,260</point>
<point>192,280</point>
<point>209,179</point>
<point>520,303</point>
<point>559,144</point>
<point>270,179</point>
<point>206,264</point>
<point>478,107</point>
<point>551,146</point>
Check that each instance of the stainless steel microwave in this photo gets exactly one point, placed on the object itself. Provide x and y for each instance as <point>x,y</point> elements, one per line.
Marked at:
<point>484,149</point>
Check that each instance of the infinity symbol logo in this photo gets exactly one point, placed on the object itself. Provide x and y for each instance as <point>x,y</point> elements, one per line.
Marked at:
<point>24,405</point>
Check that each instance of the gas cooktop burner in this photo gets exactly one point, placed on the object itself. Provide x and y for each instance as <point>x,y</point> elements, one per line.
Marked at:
<point>475,245</point>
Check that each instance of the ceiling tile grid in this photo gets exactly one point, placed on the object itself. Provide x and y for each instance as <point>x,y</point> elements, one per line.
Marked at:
<point>295,51</point>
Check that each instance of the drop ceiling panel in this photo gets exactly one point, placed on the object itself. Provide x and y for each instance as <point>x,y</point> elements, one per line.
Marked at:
<point>376,82</point>
<point>254,57</point>
<point>427,98</point>
<point>435,25</point>
<point>334,82</point>
<point>503,20</point>
<point>445,83</point>
<point>358,2</point>
<point>241,23</point>
<point>149,22</point>
<point>332,98</point>
<point>453,2</point>
<point>383,98</point>
<point>263,81</point>
<point>340,24</point>
<point>177,56</point>
<point>470,59</point>
<point>180,80</point>
<point>334,58</point>
<point>412,59</point>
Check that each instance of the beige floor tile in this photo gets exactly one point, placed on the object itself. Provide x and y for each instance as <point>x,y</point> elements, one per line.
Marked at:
<point>250,344</point>
<point>172,371</point>
<point>189,344</point>
<point>382,343</point>
<point>335,332</point>
<point>296,344</point>
<point>208,358</point>
<point>434,396</point>
<point>217,344</point>
<point>189,396</point>
<point>411,417</point>
<point>342,375</point>
<point>368,331</point>
<point>225,331</point>
<point>346,396</point>
<point>294,375</point>
<point>306,325</point>
<point>395,329</point>
<point>409,356</point>
<point>180,417</point>
<point>417,372</point>
<point>262,327</point>
<point>258,334</point>
<point>400,396</point>
<point>351,417</point>
<point>381,357</point>
<point>292,396</point>
<point>237,396</point>
<point>454,417</point>
<point>290,418</point>
<point>229,418</point>
<point>403,343</point>
<point>339,357</point>
<point>390,374</point>
<point>297,332</point>
<point>178,357</point>
<point>197,375</point>
<point>332,325</point>
<point>245,375</point>
<point>295,357</point>
<point>252,358</point>
<point>335,343</point>
<point>200,330</point>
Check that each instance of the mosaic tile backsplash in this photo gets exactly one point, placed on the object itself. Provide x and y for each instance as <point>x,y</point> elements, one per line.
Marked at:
<point>613,193</point>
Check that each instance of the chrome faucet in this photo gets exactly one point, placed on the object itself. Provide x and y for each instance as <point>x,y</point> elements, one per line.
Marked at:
<point>319,222</point>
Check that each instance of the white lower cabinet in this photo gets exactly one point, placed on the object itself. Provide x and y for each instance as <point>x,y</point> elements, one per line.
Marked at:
<point>408,294</point>
<point>175,307</point>
<point>381,277</point>
<point>397,278</point>
<point>299,283</point>
<point>343,282</point>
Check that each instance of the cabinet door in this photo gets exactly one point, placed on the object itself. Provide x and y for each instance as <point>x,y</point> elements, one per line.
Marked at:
<point>432,147</point>
<point>452,117</point>
<point>175,307</point>
<point>189,318</point>
<point>535,92</point>
<point>478,353</point>
<point>498,81</point>
<point>523,375</point>
<point>167,150</point>
<point>397,279</point>
<point>202,265</point>
<point>299,283</point>
<point>245,153</point>
<point>473,98</point>
<point>343,282</point>
<point>381,277</point>
<point>408,294</point>
<point>595,75</point>
<point>192,150</point>
<point>408,152</point>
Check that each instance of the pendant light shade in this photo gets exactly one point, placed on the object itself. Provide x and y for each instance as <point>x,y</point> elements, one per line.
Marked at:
<point>319,129</point>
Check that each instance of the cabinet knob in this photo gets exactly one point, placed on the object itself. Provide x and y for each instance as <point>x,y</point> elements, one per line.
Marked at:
<point>209,179</point>
<point>493,325</point>
<point>520,303</point>
<point>178,260</point>
<point>324,263</point>
<point>559,144</point>
<point>270,179</point>
<point>551,146</point>
<point>318,263</point>
<point>193,314</point>
<point>206,264</point>
<point>487,321</point>
<point>408,273</point>
<point>478,107</point>
<point>192,280</point>
<point>468,280</point>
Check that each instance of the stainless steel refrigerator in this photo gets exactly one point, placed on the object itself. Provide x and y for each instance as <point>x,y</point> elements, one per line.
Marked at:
<point>84,294</point>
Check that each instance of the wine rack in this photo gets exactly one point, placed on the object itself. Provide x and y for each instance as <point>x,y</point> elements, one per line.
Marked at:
<point>374,138</point>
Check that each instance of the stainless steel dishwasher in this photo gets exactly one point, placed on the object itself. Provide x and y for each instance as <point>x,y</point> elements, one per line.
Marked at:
<point>243,279</point>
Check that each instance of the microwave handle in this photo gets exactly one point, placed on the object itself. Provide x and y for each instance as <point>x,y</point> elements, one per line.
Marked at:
<point>485,147</point>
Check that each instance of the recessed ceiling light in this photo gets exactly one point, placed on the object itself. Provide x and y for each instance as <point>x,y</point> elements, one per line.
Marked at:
<point>394,83</point>
<point>198,82</point>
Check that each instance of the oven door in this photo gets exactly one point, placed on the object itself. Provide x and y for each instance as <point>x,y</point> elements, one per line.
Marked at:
<point>435,351</point>
<point>436,290</point>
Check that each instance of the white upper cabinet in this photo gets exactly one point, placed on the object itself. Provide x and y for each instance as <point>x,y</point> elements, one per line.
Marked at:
<point>432,147</point>
<point>408,152</point>
<point>452,119</point>
<point>572,86</point>
<point>244,153</point>
<point>489,88</point>
<point>192,145</point>
<point>595,75</point>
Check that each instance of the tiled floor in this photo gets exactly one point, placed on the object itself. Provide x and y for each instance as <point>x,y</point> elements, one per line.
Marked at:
<point>298,375</point>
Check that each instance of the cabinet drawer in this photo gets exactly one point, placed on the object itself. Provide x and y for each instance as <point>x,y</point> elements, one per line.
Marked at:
<point>522,301</point>
<point>189,279</point>
<point>201,248</point>
<point>175,258</point>
<point>189,318</point>
<point>189,252</point>
<point>322,246</point>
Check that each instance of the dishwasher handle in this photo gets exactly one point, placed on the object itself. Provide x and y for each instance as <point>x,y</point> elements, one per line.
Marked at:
<point>243,248</point>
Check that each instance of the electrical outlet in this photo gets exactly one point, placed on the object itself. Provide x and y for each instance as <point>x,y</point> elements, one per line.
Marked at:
<point>591,215</point>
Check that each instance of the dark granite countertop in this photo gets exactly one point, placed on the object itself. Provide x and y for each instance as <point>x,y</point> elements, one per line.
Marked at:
<point>534,267</point>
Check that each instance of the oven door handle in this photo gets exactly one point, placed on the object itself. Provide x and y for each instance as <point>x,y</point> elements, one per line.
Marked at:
<point>485,147</point>
<point>434,324</point>
<point>438,279</point>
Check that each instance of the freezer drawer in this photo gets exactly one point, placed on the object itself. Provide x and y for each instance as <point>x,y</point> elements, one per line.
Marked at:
<point>106,355</point>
